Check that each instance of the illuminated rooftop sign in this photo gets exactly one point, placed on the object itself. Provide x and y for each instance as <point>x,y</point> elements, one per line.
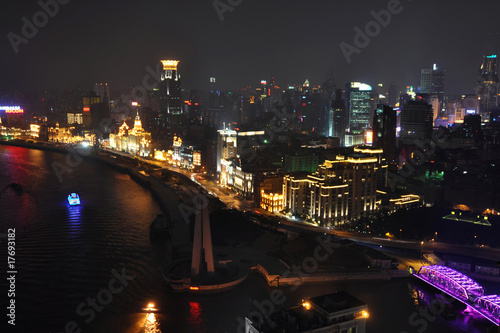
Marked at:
<point>169,64</point>
<point>361,86</point>
<point>493,56</point>
<point>13,109</point>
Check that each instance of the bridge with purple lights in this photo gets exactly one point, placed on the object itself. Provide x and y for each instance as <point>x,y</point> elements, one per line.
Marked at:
<point>462,288</point>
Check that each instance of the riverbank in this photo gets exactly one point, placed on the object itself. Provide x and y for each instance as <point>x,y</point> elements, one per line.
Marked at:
<point>271,268</point>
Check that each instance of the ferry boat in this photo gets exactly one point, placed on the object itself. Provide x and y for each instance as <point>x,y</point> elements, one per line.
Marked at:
<point>73,199</point>
<point>150,308</point>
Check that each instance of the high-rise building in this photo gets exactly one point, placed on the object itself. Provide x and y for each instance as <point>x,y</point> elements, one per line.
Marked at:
<point>438,81</point>
<point>102,90</point>
<point>416,121</point>
<point>426,81</point>
<point>393,95</point>
<point>487,83</point>
<point>227,146</point>
<point>358,102</point>
<point>384,131</point>
<point>337,116</point>
<point>432,82</point>
<point>340,191</point>
<point>170,89</point>
<point>88,100</point>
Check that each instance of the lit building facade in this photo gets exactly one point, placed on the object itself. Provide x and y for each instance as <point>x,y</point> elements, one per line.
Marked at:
<point>359,103</point>
<point>359,172</point>
<point>301,162</point>
<point>135,141</point>
<point>340,191</point>
<point>75,118</point>
<point>272,202</point>
<point>227,145</point>
<point>170,88</point>
<point>432,81</point>
<point>487,83</point>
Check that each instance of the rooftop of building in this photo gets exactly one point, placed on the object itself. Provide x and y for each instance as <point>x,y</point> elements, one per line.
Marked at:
<point>335,302</point>
<point>310,314</point>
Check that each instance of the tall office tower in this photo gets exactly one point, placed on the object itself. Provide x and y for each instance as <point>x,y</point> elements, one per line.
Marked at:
<point>227,146</point>
<point>426,81</point>
<point>438,80</point>
<point>213,95</point>
<point>88,100</point>
<point>358,102</point>
<point>487,83</point>
<point>432,81</point>
<point>337,116</point>
<point>393,95</point>
<point>170,89</point>
<point>212,84</point>
<point>102,90</point>
<point>416,122</point>
<point>436,106</point>
<point>384,131</point>
<point>359,172</point>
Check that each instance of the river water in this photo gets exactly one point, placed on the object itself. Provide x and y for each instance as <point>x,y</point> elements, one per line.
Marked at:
<point>68,256</point>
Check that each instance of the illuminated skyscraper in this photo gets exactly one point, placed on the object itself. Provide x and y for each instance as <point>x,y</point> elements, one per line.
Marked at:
<point>102,90</point>
<point>426,81</point>
<point>432,81</point>
<point>226,146</point>
<point>170,89</point>
<point>358,101</point>
<point>487,83</point>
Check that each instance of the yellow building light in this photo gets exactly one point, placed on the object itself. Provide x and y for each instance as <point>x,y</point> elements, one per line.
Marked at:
<point>169,64</point>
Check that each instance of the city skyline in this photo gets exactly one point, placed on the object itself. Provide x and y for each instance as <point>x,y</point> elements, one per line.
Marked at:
<point>248,45</point>
<point>310,166</point>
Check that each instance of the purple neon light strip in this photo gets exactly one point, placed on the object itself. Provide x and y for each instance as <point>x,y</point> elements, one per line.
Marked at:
<point>477,307</point>
<point>462,279</point>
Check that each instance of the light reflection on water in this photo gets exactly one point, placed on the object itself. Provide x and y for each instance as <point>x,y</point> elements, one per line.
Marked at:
<point>151,324</point>
<point>195,318</point>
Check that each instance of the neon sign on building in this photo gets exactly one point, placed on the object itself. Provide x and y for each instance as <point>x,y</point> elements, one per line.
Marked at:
<point>12,109</point>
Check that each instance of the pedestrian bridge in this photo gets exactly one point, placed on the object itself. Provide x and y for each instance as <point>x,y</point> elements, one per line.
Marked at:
<point>462,288</point>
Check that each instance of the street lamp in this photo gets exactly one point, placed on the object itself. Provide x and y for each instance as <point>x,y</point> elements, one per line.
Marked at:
<point>436,238</point>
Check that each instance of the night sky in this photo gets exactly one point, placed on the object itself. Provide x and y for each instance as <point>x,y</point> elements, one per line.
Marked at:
<point>114,41</point>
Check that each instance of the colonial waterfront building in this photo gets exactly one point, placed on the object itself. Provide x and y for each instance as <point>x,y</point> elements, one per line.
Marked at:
<point>135,141</point>
<point>341,190</point>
